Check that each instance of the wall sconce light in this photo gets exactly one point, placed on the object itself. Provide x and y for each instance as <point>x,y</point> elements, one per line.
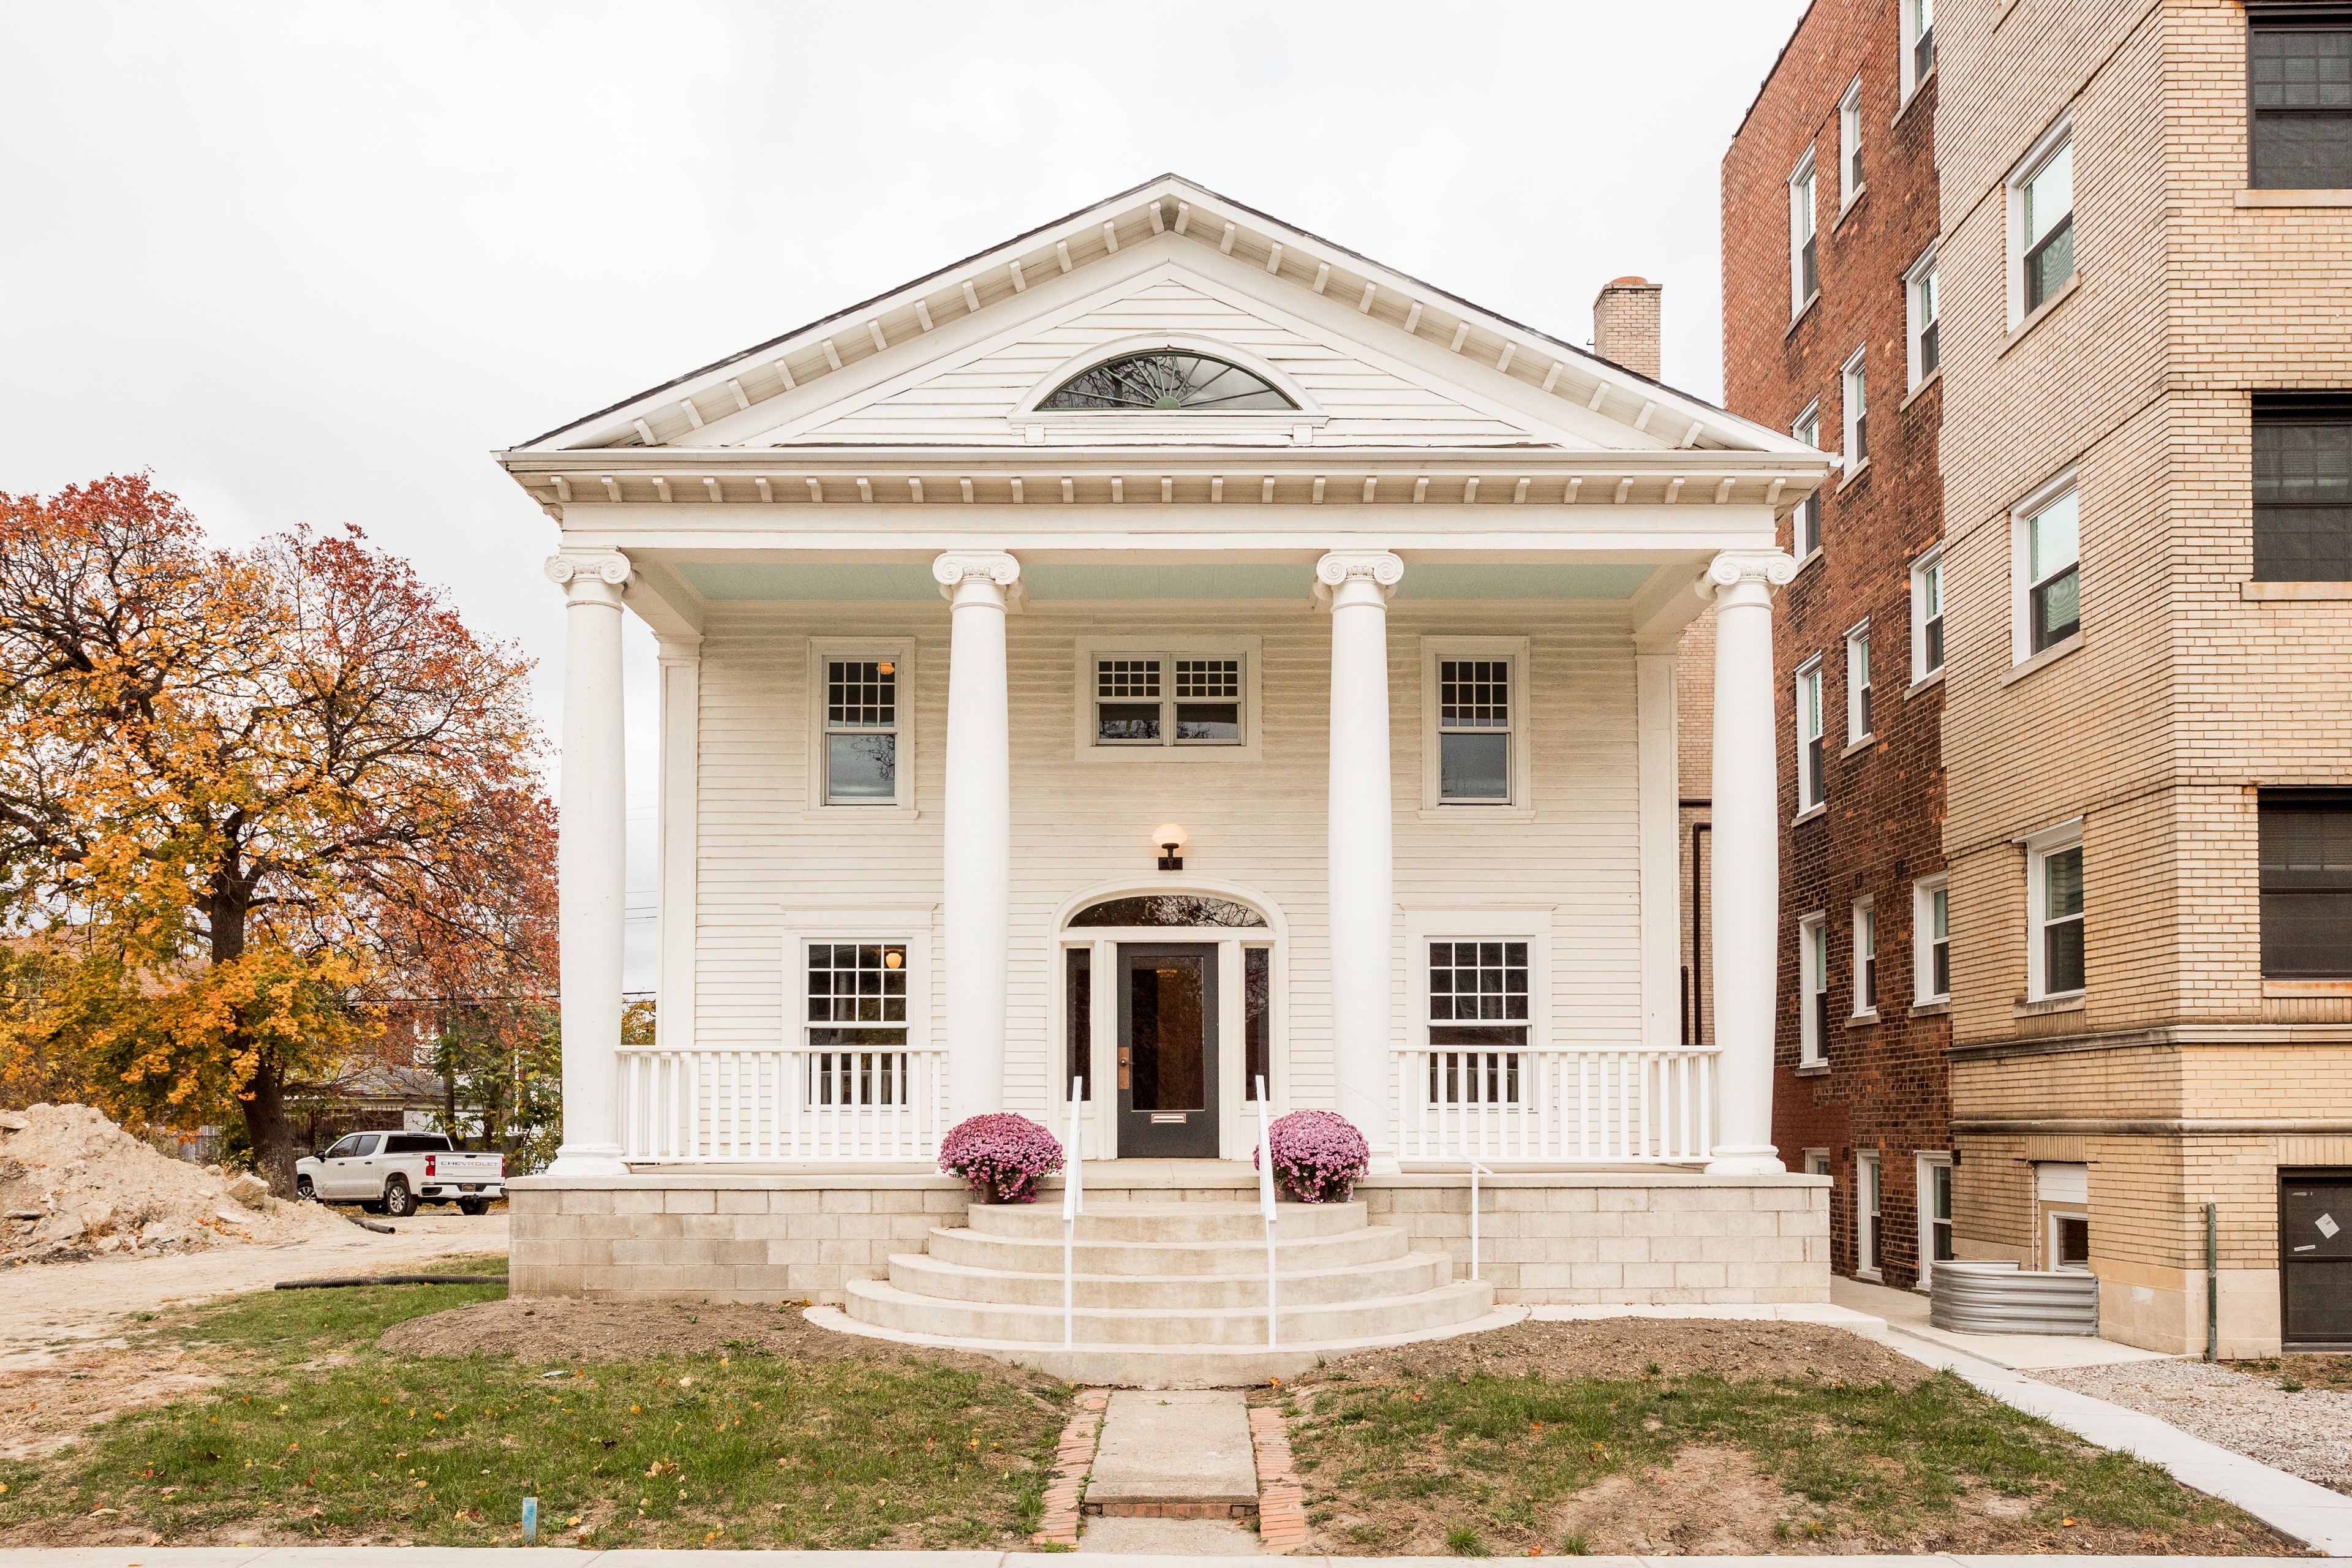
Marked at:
<point>1170,836</point>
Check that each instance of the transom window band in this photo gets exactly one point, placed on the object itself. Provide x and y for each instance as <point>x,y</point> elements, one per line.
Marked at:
<point>1164,380</point>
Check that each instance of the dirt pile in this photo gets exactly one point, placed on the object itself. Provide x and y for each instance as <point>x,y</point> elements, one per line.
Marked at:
<point>72,1184</point>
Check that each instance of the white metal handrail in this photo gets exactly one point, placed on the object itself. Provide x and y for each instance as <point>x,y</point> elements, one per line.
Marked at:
<point>1266,1204</point>
<point>1073,1205</point>
<point>1610,1106</point>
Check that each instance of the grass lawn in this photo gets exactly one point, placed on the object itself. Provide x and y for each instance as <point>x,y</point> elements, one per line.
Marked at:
<point>1487,1460</point>
<point>318,1435</point>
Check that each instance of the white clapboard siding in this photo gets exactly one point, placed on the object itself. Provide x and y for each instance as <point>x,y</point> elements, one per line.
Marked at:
<point>1259,823</point>
<point>1365,404</point>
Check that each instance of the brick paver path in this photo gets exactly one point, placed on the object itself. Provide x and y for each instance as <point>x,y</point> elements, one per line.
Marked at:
<point>1281,1499</point>
<point>1073,1459</point>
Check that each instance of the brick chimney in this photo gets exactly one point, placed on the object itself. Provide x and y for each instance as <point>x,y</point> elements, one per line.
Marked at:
<point>1625,324</point>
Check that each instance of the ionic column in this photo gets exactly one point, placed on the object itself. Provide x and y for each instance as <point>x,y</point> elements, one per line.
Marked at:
<point>1746,861</point>
<point>1361,857</point>
<point>977,870</point>
<point>592,896</point>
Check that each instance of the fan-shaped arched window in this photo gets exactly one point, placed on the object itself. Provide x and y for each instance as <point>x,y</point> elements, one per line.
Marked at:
<point>1167,379</point>
<point>1168,910</point>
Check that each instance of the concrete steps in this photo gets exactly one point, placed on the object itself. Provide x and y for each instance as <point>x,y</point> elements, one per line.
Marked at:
<point>1165,1294</point>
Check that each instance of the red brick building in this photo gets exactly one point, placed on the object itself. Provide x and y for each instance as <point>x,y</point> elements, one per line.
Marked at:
<point>1830,222</point>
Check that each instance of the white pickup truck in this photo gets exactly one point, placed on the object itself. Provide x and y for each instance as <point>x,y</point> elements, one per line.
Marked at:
<point>392,1172</point>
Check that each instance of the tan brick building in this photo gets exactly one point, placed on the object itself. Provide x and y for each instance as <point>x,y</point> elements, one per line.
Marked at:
<point>2148,542</point>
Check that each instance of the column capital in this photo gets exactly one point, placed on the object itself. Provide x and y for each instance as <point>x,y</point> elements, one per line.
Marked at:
<point>678,649</point>
<point>1734,569</point>
<point>957,567</point>
<point>588,577</point>
<point>1382,569</point>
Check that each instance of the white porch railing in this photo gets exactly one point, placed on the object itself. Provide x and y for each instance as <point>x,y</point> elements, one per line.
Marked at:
<point>1595,1105</point>
<point>807,1104</point>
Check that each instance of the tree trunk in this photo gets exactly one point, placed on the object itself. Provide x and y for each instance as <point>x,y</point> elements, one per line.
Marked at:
<point>272,1135</point>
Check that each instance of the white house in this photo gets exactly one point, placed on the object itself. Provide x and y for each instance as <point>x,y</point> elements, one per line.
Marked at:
<point>1165,650</point>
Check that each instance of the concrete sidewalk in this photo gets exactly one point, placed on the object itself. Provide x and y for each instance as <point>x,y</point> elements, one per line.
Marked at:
<point>551,1557</point>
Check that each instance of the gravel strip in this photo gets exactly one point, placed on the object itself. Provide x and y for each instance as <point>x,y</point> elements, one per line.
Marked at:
<point>2307,1434</point>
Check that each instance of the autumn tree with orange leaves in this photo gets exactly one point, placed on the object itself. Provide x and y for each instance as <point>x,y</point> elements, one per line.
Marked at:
<point>254,802</point>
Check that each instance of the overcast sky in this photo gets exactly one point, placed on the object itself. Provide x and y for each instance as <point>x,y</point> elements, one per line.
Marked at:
<point>311,263</point>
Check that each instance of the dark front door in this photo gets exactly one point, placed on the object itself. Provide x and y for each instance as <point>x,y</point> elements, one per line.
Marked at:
<point>1168,1050</point>
<point>2315,1259</point>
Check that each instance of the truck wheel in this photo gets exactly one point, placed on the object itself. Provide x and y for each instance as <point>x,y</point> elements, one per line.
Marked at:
<point>304,1191</point>
<point>472,1206</point>
<point>398,1201</point>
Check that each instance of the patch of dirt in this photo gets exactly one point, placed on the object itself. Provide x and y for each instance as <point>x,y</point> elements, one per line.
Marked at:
<point>1723,1508</point>
<point>560,1330</point>
<point>45,1405</point>
<point>1627,1348</point>
<point>74,1186</point>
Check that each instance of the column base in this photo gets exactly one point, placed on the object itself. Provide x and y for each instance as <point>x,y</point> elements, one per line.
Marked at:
<point>589,1159</point>
<point>1755,1160</point>
<point>1384,1163</point>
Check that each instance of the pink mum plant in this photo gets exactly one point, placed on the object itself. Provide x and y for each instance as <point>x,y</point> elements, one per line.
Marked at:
<point>1000,1156</point>
<point>1318,1156</point>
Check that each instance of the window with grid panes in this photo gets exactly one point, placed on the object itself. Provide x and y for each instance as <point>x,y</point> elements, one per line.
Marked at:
<point>2302,487</point>
<point>861,724</point>
<point>1478,1014</point>
<point>2299,71</point>
<point>857,1022</point>
<point>1158,699</point>
<point>1474,731</point>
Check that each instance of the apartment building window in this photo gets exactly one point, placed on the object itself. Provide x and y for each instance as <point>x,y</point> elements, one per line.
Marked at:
<point>1804,251</point>
<point>2041,222</point>
<point>1808,429</point>
<point>2054,912</point>
<point>2299,75</point>
<point>1931,926</point>
<point>1927,616</point>
<point>2306,885</point>
<point>1921,316</point>
<point>1857,684</point>
<point>1814,990</point>
<point>2046,567</point>
<point>1809,757</point>
<point>1865,960</point>
<point>1867,1194</point>
<point>1919,29</point>
<point>1850,145</point>
<point>1856,396</point>
<point>1935,1214</point>
<point>2302,487</point>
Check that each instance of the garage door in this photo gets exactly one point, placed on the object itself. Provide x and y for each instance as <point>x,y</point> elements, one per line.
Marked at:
<point>2315,1259</point>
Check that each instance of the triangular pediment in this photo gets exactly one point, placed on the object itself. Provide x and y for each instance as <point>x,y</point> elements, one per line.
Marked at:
<point>1373,357</point>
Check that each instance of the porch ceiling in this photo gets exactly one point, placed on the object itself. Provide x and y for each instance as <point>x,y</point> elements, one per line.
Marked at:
<point>770,582</point>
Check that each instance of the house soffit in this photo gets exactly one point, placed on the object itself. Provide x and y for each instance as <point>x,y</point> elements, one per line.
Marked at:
<point>1393,309</point>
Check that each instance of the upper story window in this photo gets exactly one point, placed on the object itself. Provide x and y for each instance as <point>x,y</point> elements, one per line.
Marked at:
<point>1808,518</point>
<point>1813,990</point>
<point>2054,913</point>
<point>2041,222</point>
<point>1866,958</point>
<point>1856,381</point>
<point>2306,885</point>
<point>1161,699</point>
<point>1931,926</point>
<point>861,725</point>
<point>2302,487</point>
<point>1474,714</point>
<point>1850,145</point>
<point>2299,77</point>
<point>1166,379</point>
<point>1857,684</point>
<point>1804,247</point>
<point>1927,616</point>
<point>2046,570</point>
<point>1810,760</point>
<point>1921,314</point>
<point>1918,31</point>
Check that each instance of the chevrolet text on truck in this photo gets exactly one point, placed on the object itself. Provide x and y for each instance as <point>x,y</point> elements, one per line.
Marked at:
<point>392,1172</point>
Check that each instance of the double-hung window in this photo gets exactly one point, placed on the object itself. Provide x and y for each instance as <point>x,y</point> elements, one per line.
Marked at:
<point>1857,685</point>
<point>1808,519</point>
<point>1814,990</point>
<point>1935,1214</point>
<point>1804,242</point>
<point>2299,66</point>
<point>2302,487</point>
<point>1811,761</point>
<point>1478,1018</point>
<point>2041,203</point>
<point>856,1014</point>
<point>1866,958</point>
<point>1167,700</point>
<point>1474,724</point>
<point>1856,399</point>
<point>1867,1214</point>
<point>2054,913</point>
<point>861,731</point>
<point>2306,884</point>
<point>2047,569</point>
<point>1927,616</point>
<point>1918,27</point>
<point>1922,315</point>
<point>1931,948</point>
<point>1850,145</point>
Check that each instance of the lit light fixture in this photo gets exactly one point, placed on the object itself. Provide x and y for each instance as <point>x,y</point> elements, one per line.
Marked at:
<point>1170,836</point>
